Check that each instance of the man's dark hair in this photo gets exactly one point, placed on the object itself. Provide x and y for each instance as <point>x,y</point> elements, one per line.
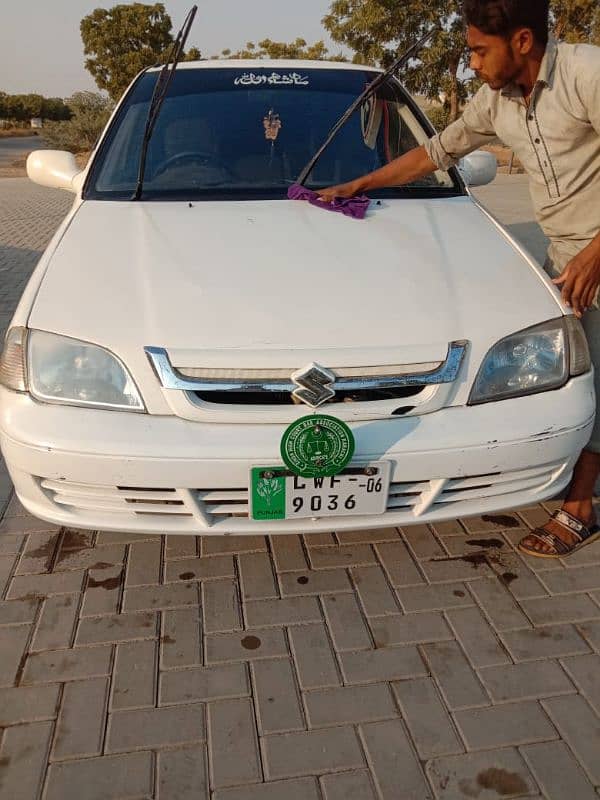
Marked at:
<point>504,17</point>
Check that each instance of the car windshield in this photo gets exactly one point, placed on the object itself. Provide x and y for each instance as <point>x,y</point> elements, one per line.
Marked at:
<point>239,133</point>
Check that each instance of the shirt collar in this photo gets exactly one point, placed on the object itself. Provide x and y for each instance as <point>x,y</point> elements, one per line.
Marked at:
<point>548,65</point>
<point>546,73</point>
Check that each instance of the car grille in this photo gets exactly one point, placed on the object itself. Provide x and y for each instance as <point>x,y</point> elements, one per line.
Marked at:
<point>234,395</point>
<point>286,399</point>
<point>204,508</point>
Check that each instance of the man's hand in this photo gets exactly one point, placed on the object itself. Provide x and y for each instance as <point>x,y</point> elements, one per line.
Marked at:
<point>343,190</point>
<point>580,279</point>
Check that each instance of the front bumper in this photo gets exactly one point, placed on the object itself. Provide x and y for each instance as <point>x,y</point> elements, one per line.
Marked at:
<point>136,472</point>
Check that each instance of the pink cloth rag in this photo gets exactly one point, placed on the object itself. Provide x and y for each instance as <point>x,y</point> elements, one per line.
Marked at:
<point>355,207</point>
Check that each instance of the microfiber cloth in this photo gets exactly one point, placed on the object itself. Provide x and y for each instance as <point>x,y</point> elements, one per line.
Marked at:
<point>355,207</point>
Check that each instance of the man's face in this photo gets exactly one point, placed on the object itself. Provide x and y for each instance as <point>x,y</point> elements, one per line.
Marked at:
<point>495,60</point>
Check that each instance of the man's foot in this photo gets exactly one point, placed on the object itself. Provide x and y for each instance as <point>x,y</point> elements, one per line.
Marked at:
<point>563,534</point>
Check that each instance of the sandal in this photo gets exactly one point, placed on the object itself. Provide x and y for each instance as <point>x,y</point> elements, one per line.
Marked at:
<point>582,534</point>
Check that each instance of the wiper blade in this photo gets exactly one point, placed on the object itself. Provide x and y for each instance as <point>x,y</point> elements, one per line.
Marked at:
<point>161,88</point>
<point>381,79</point>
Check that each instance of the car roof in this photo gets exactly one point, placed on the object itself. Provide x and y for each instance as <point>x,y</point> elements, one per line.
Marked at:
<point>270,63</point>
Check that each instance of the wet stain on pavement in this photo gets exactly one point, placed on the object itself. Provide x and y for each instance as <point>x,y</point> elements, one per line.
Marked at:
<point>76,540</point>
<point>502,782</point>
<point>303,580</point>
<point>475,559</point>
<point>251,642</point>
<point>508,577</point>
<point>502,520</point>
<point>492,544</point>
<point>187,576</point>
<point>458,593</point>
<point>44,551</point>
<point>107,583</point>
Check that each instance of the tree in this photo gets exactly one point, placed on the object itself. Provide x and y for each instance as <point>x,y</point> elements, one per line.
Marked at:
<point>193,54</point>
<point>576,20</point>
<point>55,108</point>
<point>123,40</point>
<point>379,30</point>
<point>22,107</point>
<point>298,49</point>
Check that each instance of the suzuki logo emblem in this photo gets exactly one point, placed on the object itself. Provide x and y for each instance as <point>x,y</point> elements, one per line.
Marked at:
<point>315,385</point>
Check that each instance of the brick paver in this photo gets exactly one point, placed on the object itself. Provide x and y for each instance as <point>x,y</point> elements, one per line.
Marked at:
<point>373,665</point>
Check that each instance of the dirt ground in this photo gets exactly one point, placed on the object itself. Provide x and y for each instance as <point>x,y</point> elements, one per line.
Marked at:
<point>503,154</point>
<point>11,133</point>
<point>17,168</point>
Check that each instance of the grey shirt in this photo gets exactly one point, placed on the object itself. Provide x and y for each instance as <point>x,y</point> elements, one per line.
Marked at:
<point>557,139</point>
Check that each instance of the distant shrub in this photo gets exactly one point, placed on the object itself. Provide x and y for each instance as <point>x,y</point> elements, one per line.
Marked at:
<point>90,111</point>
<point>439,117</point>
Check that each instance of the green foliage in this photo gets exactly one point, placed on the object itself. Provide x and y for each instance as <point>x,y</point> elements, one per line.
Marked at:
<point>90,111</point>
<point>378,30</point>
<point>298,49</point>
<point>193,54</point>
<point>576,20</point>
<point>22,107</point>
<point>439,116</point>
<point>123,40</point>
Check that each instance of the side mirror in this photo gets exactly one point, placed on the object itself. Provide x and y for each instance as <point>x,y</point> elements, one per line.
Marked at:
<point>54,168</point>
<point>478,168</point>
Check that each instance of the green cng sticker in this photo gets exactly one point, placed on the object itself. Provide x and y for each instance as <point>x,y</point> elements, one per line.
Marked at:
<point>317,446</point>
<point>268,495</point>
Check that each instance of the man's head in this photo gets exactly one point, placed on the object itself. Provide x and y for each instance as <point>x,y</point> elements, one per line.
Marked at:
<point>503,35</point>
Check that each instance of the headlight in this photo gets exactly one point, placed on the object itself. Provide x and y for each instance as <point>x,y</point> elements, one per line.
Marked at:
<point>535,360</point>
<point>67,371</point>
<point>12,360</point>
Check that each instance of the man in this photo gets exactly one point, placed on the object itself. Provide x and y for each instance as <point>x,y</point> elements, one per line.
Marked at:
<point>542,99</point>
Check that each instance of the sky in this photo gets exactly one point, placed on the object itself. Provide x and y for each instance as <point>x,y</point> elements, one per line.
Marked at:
<point>41,49</point>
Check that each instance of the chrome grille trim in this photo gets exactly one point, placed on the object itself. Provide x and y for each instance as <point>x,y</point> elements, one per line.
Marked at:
<point>283,374</point>
<point>172,379</point>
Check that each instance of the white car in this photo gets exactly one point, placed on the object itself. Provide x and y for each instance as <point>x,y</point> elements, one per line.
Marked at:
<point>165,345</point>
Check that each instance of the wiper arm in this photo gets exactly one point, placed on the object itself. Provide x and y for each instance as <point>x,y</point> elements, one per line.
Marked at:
<point>368,92</point>
<point>161,88</point>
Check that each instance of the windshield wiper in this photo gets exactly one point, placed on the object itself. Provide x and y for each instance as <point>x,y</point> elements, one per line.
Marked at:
<point>161,88</point>
<point>381,79</point>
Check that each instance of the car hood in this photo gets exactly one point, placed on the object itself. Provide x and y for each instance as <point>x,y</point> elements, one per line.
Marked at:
<point>266,283</point>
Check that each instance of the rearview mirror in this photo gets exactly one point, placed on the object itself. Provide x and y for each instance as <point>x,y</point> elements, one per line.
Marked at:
<point>478,168</point>
<point>54,168</point>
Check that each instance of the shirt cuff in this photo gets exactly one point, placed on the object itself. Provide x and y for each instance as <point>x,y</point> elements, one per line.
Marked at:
<point>438,155</point>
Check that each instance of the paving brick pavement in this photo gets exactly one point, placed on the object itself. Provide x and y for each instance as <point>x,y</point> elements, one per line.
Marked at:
<point>383,665</point>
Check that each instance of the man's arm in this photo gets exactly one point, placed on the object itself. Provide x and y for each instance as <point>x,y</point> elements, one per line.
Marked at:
<point>580,279</point>
<point>410,167</point>
<point>473,130</point>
